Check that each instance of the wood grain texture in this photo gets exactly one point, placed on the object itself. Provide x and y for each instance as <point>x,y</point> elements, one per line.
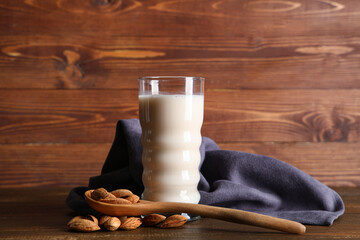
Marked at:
<point>54,116</point>
<point>73,164</point>
<point>282,79</point>
<point>50,164</point>
<point>41,213</point>
<point>234,44</point>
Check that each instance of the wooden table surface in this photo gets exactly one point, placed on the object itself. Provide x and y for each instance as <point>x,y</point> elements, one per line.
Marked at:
<point>41,213</point>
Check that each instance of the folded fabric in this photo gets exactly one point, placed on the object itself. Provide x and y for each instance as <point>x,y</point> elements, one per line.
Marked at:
<point>230,179</point>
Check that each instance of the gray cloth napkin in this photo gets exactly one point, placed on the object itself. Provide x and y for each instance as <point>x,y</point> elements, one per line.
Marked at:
<point>228,179</point>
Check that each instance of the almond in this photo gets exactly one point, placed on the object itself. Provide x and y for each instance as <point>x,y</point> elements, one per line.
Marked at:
<point>88,217</point>
<point>112,224</point>
<point>153,219</point>
<point>122,193</point>
<point>84,225</point>
<point>122,218</point>
<point>74,219</point>
<point>131,223</point>
<point>99,193</point>
<point>133,198</point>
<point>173,221</point>
<point>103,219</point>
<point>94,219</point>
<point>109,196</point>
<point>115,201</point>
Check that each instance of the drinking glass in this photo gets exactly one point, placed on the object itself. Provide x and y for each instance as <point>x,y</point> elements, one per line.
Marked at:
<point>171,110</point>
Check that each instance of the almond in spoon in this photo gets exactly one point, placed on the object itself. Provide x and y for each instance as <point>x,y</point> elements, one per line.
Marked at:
<point>99,193</point>
<point>133,198</point>
<point>121,193</point>
<point>115,201</point>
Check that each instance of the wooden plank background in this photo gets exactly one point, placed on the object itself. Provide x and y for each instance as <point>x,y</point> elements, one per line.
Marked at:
<point>282,79</point>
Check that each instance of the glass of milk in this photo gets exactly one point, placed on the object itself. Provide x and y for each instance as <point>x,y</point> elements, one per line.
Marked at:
<point>171,113</point>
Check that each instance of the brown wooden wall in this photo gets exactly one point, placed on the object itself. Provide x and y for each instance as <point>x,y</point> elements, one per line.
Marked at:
<point>282,79</point>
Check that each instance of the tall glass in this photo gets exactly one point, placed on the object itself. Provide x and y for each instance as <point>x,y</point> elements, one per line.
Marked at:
<point>171,113</point>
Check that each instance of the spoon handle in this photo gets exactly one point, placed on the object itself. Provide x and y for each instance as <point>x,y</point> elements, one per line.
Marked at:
<point>237,216</point>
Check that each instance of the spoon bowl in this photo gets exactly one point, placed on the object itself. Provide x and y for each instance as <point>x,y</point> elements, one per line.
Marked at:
<point>144,207</point>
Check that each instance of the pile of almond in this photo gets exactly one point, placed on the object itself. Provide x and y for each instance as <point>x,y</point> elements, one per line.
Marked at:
<point>121,196</point>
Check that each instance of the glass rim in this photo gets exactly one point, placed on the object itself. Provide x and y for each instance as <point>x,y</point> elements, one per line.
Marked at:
<point>170,78</point>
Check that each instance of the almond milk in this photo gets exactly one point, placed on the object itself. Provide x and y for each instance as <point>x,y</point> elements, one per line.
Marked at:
<point>171,139</point>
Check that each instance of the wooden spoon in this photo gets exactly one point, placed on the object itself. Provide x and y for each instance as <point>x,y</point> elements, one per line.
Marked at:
<point>144,207</point>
